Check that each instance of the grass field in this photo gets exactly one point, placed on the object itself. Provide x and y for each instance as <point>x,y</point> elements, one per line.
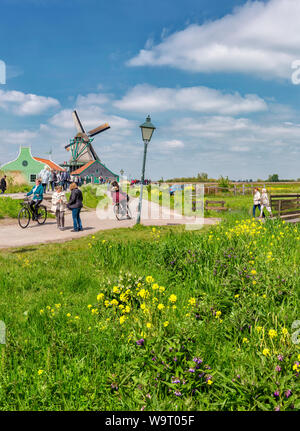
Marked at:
<point>9,207</point>
<point>165,319</point>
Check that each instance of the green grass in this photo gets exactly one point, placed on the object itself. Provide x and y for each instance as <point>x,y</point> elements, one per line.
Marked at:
<point>229,293</point>
<point>9,207</point>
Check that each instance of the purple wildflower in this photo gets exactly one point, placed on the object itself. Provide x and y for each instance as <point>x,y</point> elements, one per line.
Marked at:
<point>198,360</point>
<point>288,393</point>
<point>191,370</point>
<point>178,393</point>
<point>280,358</point>
<point>175,380</point>
<point>277,409</point>
<point>276,394</point>
<point>278,368</point>
<point>140,342</point>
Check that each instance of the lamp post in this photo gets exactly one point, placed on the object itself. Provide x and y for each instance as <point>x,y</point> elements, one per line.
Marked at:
<point>147,131</point>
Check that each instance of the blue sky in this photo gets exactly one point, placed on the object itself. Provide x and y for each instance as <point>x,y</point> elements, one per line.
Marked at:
<point>214,76</point>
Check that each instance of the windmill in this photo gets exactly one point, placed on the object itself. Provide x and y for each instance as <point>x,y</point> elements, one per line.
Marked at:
<point>82,150</point>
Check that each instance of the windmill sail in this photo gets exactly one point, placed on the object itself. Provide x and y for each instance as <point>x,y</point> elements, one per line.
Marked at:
<point>99,129</point>
<point>77,122</point>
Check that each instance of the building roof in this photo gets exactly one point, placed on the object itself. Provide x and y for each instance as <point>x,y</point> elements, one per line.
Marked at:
<point>83,168</point>
<point>51,164</point>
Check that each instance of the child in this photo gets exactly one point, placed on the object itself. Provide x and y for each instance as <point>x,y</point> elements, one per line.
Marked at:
<point>265,203</point>
<point>59,202</point>
<point>256,201</point>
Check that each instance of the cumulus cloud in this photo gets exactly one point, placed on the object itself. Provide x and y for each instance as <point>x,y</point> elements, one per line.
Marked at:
<point>92,99</point>
<point>173,143</point>
<point>23,104</point>
<point>23,137</point>
<point>258,38</point>
<point>200,99</point>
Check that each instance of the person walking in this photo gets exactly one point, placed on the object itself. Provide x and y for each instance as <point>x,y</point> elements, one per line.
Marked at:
<point>44,176</point>
<point>53,179</point>
<point>256,201</point>
<point>3,184</point>
<point>67,180</point>
<point>75,205</point>
<point>265,203</point>
<point>59,202</point>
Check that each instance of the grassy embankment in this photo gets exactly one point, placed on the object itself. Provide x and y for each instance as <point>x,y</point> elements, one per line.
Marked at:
<point>141,319</point>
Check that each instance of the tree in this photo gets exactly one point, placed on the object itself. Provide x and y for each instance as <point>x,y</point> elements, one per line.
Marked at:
<point>273,178</point>
<point>203,176</point>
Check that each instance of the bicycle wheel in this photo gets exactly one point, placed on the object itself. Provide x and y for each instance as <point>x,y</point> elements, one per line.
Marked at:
<point>24,217</point>
<point>117,212</point>
<point>41,214</point>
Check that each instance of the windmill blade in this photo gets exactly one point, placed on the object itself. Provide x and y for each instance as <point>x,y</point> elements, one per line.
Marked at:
<point>77,122</point>
<point>94,154</point>
<point>99,129</point>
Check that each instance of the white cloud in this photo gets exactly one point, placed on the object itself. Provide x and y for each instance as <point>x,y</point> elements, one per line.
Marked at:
<point>257,38</point>
<point>23,137</point>
<point>23,104</point>
<point>92,99</point>
<point>200,99</point>
<point>173,144</point>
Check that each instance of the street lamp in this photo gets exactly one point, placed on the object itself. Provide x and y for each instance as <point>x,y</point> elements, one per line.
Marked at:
<point>147,132</point>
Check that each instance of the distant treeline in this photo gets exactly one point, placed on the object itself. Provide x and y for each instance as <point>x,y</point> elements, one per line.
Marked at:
<point>203,177</point>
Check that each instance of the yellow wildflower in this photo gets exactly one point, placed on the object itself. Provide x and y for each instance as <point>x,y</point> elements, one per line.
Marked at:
<point>173,298</point>
<point>192,301</point>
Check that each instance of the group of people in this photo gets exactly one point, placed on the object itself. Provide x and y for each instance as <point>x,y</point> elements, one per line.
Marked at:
<point>261,201</point>
<point>145,183</point>
<point>59,203</point>
<point>52,178</point>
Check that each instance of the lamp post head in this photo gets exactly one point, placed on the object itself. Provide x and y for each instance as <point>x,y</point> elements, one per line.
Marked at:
<point>147,129</point>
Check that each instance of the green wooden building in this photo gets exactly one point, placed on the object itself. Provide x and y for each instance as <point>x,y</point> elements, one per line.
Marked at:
<point>28,166</point>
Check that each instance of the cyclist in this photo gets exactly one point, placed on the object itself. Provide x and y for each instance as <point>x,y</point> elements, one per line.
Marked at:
<point>38,193</point>
<point>119,197</point>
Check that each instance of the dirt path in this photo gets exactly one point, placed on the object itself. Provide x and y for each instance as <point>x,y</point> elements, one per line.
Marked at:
<point>11,235</point>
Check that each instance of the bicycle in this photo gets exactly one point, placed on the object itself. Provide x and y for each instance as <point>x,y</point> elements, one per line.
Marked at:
<point>26,214</point>
<point>122,210</point>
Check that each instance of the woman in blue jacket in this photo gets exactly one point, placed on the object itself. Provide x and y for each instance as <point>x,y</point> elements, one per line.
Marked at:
<point>37,191</point>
